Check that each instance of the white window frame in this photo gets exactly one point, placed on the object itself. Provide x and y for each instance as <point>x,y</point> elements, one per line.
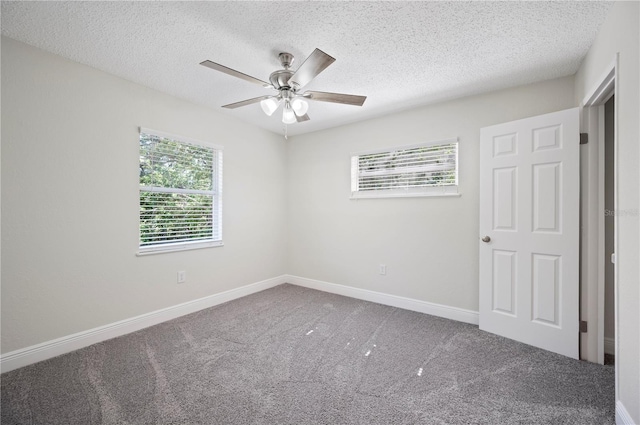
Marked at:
<point>444,190</point>
<point>216,193</point>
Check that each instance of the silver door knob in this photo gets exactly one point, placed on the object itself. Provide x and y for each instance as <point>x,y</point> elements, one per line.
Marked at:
<point>486,239</point>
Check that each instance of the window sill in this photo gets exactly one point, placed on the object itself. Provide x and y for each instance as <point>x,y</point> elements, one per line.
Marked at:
<point>404,195</point>
<point>163,249</point>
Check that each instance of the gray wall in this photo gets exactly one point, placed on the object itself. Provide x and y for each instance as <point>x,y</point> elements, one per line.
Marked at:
<point>70,200</point>
<point>429,244</point>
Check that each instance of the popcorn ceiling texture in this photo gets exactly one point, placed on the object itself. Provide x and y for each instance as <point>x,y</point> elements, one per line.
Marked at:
<point>399,54</point>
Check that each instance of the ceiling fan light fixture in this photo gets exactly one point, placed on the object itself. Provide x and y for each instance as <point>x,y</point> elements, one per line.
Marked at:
<point>299,106</point>
<point>269,106</point>
<point>288,116</point>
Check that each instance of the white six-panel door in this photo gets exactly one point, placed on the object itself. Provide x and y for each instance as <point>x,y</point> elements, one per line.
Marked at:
<point>529,213</point>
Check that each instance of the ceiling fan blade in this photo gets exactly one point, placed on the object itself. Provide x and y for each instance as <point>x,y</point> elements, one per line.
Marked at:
<point>245,102</point>
<point>317,62</point>
<point>347,99</point>
<point>235,73</point>
<point>303,118</point>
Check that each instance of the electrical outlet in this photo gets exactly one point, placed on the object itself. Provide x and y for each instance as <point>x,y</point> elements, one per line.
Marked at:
<point>182,276</point>
<point>383,269</point>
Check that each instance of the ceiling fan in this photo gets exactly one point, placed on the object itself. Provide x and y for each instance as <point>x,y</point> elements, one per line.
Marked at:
<point>288,82</point>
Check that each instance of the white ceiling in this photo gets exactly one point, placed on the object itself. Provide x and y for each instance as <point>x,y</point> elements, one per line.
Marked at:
<point>399,54</point>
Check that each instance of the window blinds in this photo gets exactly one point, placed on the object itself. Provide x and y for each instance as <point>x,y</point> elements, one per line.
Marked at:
<point>180,192</point>
<point>418,169</point>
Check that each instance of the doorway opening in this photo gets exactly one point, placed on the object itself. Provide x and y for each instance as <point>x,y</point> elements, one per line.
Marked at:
<point>609,232</point>
<point>598,296</point>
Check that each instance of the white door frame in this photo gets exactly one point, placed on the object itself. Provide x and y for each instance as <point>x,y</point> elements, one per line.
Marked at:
<point>593,216</point>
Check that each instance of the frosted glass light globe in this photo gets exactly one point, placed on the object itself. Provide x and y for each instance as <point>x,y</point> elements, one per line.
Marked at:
<point>288,116</point>
<point>300,106</point>
<point>269,106</point>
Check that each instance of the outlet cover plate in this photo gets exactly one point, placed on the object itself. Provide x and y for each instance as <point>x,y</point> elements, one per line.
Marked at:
<point>182,276</point>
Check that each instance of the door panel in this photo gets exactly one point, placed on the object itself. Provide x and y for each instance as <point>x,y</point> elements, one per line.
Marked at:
<point>546,289</point>
<point>529,207</point>
<point>505,181</point>
<point>504,279</point>
<point>546,197</point>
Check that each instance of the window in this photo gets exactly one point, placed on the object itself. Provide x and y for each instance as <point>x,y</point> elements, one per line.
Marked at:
<point>428,169</point>
<point>180,193</point>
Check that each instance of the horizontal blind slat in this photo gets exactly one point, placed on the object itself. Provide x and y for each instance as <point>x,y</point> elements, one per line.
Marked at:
<point>435,151</point>
<point>155,189</point>
<point>394,158</point>
<point>409,170</point>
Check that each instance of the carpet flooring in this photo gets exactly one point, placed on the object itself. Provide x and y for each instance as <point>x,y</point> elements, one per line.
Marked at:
<point>291,355</point>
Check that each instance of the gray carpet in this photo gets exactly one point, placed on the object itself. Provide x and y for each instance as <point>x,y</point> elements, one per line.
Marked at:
<point>291,355</point>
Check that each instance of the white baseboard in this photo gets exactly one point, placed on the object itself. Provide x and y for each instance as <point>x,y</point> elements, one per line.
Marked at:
<point>454,313</point>
<point>46,350</point>
<point>622,416</point>
<point>609,345</point>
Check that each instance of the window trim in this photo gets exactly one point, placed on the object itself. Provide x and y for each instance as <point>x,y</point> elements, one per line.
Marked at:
<point>217,198</point>
<point>176,247</point>
<point>430,191</point>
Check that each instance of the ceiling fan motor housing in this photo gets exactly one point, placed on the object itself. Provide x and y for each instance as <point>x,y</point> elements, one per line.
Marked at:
<point>280,79</point>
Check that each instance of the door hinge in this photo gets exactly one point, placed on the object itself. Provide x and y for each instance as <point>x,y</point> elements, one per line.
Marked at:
<point>584,138</point>
<point>583,326</point>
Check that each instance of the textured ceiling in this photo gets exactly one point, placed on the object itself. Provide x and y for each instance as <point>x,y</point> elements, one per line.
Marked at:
<point>399,54</point>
